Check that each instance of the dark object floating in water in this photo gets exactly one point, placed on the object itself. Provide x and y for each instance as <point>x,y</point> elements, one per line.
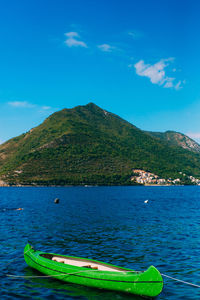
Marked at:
<point>56,200</point>
<point>94,273</point>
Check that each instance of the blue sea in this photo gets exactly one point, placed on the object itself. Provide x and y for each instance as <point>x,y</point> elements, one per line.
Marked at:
<point>111,224</point>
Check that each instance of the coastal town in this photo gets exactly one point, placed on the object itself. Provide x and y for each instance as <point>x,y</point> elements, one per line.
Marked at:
<point>147,178</point>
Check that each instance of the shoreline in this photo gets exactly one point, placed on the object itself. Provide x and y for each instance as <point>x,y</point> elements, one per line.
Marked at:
<point>88,186</point>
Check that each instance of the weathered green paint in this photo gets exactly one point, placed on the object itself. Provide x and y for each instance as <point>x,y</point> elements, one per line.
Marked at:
<point>148,283</point>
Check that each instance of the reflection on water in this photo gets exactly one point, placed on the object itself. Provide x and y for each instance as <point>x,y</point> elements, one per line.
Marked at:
<point>111,224</point>
<point>72,290</point>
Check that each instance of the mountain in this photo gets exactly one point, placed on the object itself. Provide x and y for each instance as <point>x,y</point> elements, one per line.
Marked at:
<point>89,145</point>
<point>177,139</point>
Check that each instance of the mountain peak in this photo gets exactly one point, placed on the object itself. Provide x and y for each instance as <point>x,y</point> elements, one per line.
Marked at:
<point>91,104</point>
<point>93,107</point>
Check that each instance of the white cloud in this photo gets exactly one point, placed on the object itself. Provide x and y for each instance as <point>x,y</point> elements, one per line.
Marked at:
<point>72,40</point>
<point>169,82</point>
<point>106,47</point>
<point>23,104</point>
<point>135,34</point>
<point>46,107</point>
<point>178,85</point>
<point>132,34</point>
<point>157,73</point>
<point>72,34</point>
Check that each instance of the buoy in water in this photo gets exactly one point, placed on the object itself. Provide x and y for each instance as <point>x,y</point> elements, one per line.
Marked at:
<point>56,200</point>
<point>146,201</point>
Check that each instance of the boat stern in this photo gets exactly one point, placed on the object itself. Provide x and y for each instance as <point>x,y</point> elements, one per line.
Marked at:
<point>151,282</point>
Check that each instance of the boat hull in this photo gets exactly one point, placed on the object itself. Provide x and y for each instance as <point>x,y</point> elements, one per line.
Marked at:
<point>148,283</point>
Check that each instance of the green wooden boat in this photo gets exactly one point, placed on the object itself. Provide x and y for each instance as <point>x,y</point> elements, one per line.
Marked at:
<point>94,273</point>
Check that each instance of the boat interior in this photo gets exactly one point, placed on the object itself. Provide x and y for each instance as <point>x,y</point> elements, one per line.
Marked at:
<point>84,263</point>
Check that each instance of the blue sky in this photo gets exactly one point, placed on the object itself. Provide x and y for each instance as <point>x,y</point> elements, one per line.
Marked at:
<point>137,59</point>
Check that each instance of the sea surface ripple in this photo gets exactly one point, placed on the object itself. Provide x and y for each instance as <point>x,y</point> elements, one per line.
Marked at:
<point>111,224</point>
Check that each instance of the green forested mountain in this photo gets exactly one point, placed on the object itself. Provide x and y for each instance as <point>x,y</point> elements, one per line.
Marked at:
<point>88,145</point>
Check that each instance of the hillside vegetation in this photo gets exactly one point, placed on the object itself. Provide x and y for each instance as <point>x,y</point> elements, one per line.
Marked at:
<point>88,145</point>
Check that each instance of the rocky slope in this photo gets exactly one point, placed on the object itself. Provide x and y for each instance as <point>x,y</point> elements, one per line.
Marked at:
<point>177,139</point>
